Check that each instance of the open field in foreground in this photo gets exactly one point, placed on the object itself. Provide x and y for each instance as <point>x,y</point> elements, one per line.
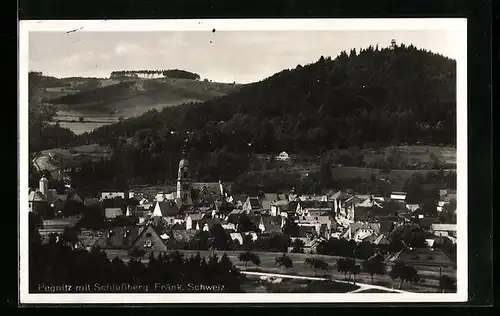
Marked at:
<point>429,284</point>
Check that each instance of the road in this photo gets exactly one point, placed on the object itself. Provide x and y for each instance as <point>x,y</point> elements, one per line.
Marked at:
<point>362,286</point>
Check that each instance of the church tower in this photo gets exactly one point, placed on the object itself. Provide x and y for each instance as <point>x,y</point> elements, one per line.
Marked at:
<point>184,179</point>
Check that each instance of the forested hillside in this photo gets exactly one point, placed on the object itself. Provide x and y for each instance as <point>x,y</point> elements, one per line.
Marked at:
<point>371,98</point>
<point>374,97</point>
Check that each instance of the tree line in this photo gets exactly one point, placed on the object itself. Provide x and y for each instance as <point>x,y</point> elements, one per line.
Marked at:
<point>57,263</point>
<point>169,73</point>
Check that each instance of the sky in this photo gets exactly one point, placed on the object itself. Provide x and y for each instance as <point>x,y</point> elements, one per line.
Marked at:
<point>222,56</point>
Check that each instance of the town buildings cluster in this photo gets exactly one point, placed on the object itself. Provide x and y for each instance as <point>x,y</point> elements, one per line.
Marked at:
<point>133,219</point>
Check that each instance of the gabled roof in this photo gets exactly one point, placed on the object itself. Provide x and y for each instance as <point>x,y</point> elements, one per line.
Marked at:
<point>196,216</point>
<point>183,235</point>
<point>427,222</point>
<point>381,240</point>
<point>210,222</point>
<point>166,208</point>
<point>176,226</point>
<point>444,227</point>
<point>148,228</point>
<point>36,196</point>
<point>421,256</point>
<point>122,237</point>
<point>362,213</point>
<point>312,204</point>
<point>89,238</point>
<point>255,203</point>
<point>271,224</point>
<point>303,231</point>
<point>357,226</point>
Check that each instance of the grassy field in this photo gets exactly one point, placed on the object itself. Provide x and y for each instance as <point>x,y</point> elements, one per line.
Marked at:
<point>256,285</point>
<point>61,158</point>
<point>430,282</point>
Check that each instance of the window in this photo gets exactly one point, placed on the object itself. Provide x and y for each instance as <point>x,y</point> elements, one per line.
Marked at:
<point>148,234</point>
<point>148,243</point>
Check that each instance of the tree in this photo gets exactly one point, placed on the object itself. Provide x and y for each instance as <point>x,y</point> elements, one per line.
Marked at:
<point>447,283</point>
<point>283,261</point>
<point>404,272</point>
<point>248,256</point>
<point>374,265</point>
<point>316,263</point>
<point>136,253</point>
<point>345,265</point>
<point>354,271</point>
<point>298,246</point>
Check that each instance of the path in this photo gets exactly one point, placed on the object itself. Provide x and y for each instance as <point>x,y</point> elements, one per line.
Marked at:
<point>362,286</point>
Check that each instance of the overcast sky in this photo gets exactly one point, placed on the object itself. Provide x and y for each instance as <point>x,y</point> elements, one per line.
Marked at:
<point>224,56</point>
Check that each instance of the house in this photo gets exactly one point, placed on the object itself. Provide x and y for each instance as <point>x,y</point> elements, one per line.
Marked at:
<point>252,206</point>
<point>427,222</point>
<point>412,207</point>
<point>398,196</point>
<point>121,237</point>
<point>88,238</point>
<point>150,240</point>
<point>418,257</point>
<point>56,225</point>
<point>113,212</point>
<point>206,224</point>
<point>234,216</point>
<point>369,201</point>
<point>338,198</point>
<point>444,230</point>
<point>112,195</point>
<point>360,231</point>
<point>228,226</point>
<point>183,236</point>
<point>237,237</point>
<point>175,226</point>
<point>363,214</point>
<point>237,200</point>
<point>268,199</point>
<point>37,202</point>
<point>283,156</point>
<point>310,246</point>
<point>270,224</point>
<point>278,207</point>
<point>193,219</point>
<point>165,209</point>
<point>313,208</point>
<point>251,234</point>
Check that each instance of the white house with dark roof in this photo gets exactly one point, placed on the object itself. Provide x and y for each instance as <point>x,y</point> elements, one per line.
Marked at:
<point>398,196</point>
<point>283,156</point>
<point>253,206</point>
<point>444,230</point>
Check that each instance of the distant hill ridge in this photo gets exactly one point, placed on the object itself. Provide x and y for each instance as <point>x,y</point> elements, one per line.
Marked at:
<point>398,95</point>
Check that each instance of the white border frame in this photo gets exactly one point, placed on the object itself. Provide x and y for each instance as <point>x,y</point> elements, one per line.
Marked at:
<point>453,24</point>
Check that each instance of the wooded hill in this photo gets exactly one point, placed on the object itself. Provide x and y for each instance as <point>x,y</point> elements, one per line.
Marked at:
<point>400,95</point>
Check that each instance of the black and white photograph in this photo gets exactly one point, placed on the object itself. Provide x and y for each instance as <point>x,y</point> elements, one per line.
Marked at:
<point>217,161</point>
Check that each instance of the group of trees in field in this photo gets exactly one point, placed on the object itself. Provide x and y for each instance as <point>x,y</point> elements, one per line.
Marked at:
<point>170,73</point>
<point>58,263</point>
